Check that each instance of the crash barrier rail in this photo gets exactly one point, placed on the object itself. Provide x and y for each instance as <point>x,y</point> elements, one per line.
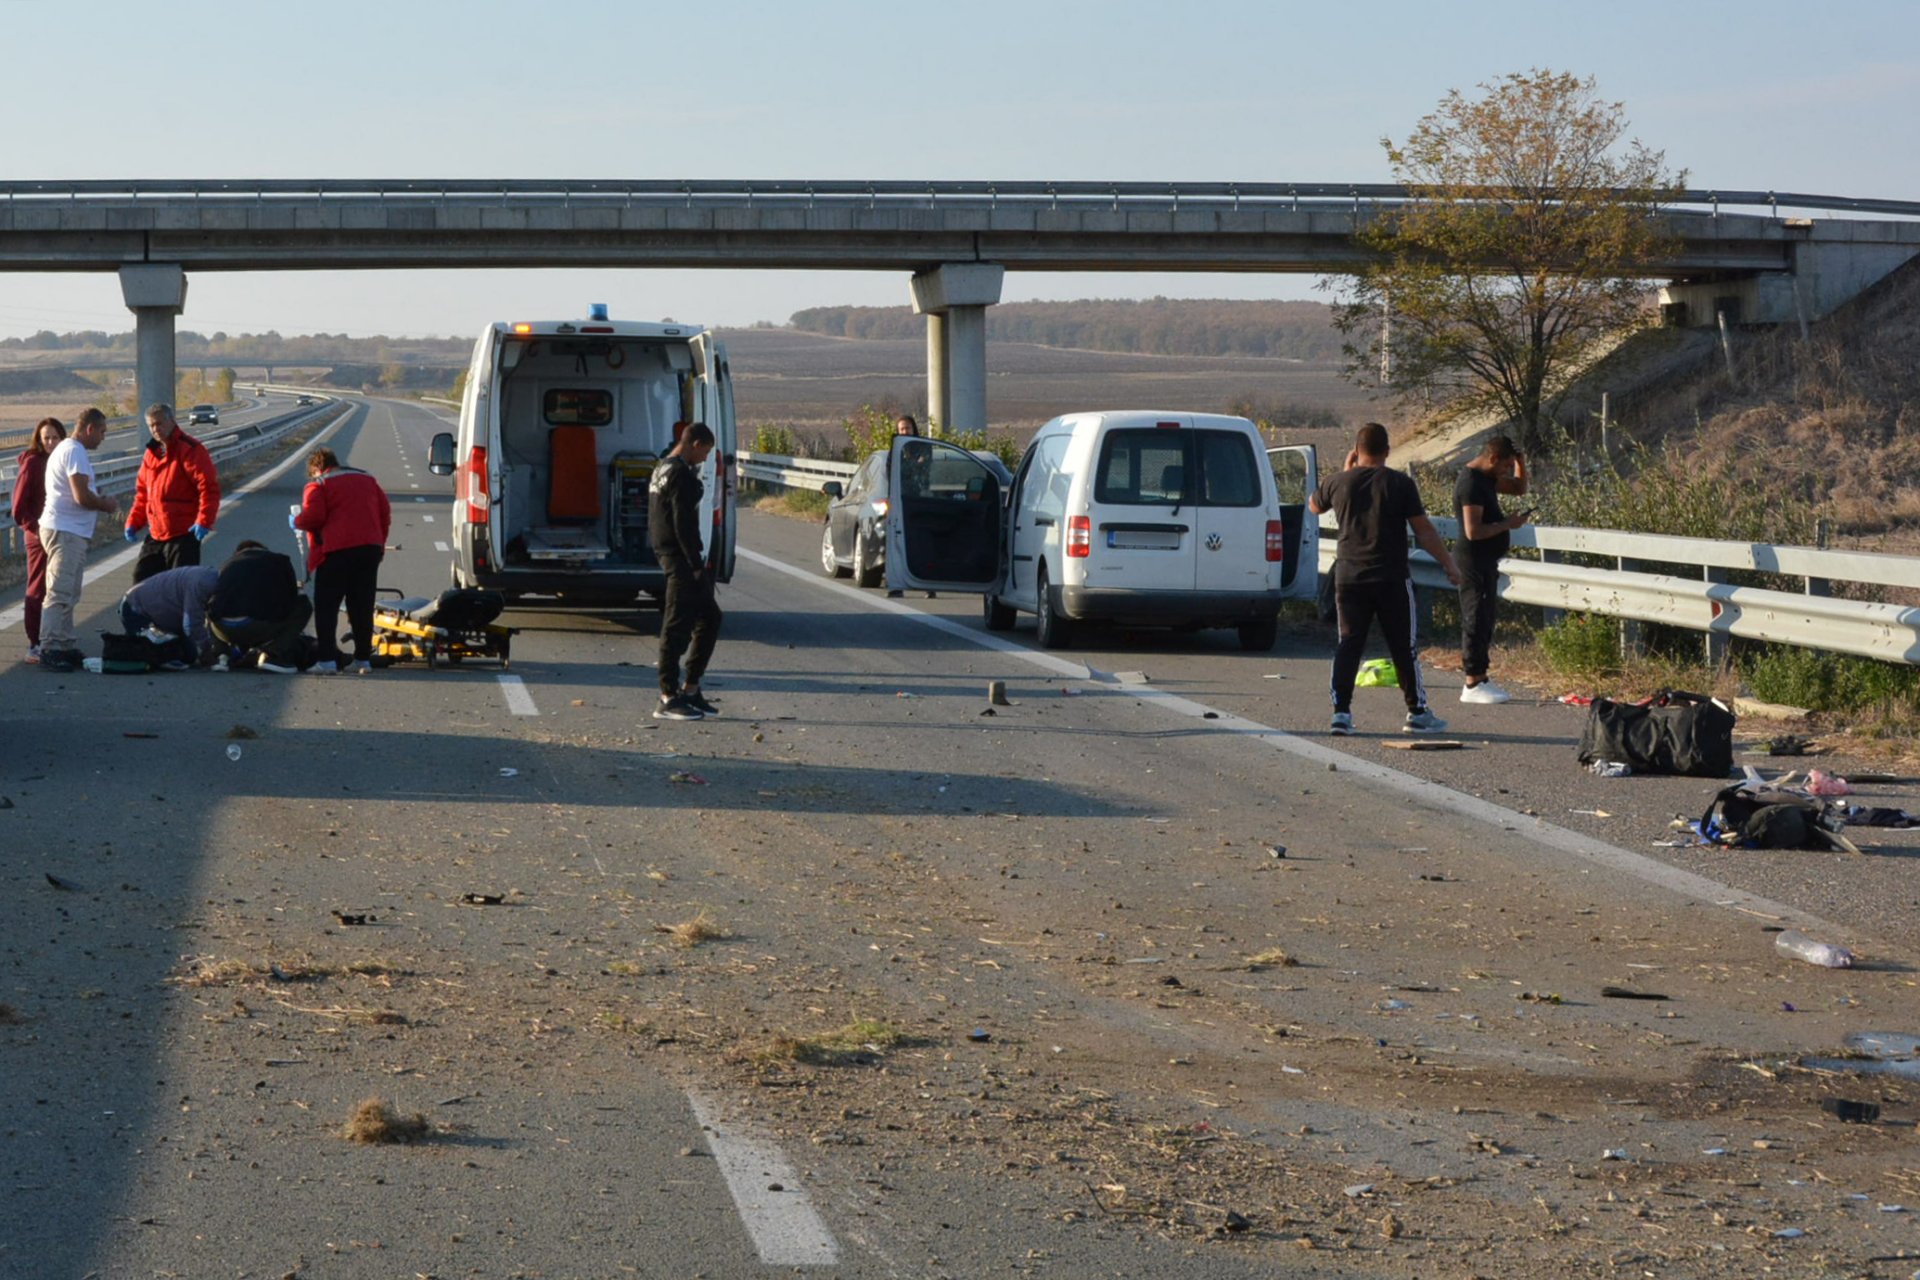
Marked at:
<point>1698,599</point>
<point>116,476</point>
<point>709,193</point>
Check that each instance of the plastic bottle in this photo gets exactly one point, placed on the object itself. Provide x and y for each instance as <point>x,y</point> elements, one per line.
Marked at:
<point>1610,769</point>
<point>1824,954</point>
<point>233,752</point>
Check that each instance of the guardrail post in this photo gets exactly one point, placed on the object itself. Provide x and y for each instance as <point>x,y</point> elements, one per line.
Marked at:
<point>1633,636</point>
<point>1552,617</point>
<point>1716,644</point>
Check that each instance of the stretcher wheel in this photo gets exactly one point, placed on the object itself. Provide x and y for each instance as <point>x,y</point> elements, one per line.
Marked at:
<point>433,657</point>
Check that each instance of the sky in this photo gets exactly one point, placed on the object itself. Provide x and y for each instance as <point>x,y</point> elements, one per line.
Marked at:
<point>1758,95</point>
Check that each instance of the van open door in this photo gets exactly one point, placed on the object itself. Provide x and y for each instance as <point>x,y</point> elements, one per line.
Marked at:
<point>714,401</point>
<point>1296,473</point>
<point>945,519</point>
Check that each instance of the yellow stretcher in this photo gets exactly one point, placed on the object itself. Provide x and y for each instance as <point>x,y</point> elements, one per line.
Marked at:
<point>457,626</point>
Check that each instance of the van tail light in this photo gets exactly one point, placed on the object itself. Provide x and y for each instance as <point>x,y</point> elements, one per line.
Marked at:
<point>1276,541</point>
<point>1079,536</point>
<point>474,482</point>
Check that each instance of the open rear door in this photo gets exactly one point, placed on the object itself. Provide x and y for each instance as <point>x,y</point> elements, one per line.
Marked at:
<point>714,404</point>
<point>945,519</point>
<point>1296,473</point>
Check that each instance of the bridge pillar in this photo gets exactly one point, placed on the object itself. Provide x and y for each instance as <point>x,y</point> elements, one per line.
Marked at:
<point>156,293</point>
<point>958,293</point>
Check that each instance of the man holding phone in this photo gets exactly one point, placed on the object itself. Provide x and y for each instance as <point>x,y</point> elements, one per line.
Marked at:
<point>1484,528</point>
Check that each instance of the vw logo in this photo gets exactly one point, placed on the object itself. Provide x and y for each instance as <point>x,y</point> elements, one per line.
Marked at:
<point>1214,542</point>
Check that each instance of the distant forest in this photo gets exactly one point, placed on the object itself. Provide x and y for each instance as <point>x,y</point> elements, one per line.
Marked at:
<point>1154,326</point>
<point>254,348</point>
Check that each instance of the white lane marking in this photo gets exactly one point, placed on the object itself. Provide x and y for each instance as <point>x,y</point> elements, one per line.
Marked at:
<point>441,546</point>
<point>428,519</point>
<point>1433,794</point>
<point>12,617</point>
<point>519,701</point>
<point>785,1227</point>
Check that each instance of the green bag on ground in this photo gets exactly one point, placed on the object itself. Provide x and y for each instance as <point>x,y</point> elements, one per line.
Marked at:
<point>1377,674</point>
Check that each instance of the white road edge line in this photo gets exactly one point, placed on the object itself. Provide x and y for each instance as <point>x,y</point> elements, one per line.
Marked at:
<point>14,616</point>
<point>786,1229</point>
<point>1574,843</point>
<point>519,701</point>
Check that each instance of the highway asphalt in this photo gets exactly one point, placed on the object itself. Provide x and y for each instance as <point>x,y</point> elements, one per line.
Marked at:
<point>447,889</point>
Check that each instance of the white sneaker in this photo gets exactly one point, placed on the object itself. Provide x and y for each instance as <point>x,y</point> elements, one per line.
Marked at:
<point>279,669</point>
<point>1486,693</point>
<point>33,653</point>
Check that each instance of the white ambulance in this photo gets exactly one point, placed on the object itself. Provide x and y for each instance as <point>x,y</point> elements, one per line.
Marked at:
<point>561,426</point>
<point>1137,518</point>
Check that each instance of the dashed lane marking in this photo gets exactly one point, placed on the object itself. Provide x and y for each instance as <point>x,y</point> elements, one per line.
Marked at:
<point>441,546</point>
<point>786,1229</point>
<point>1573,843</point>
<point>428,519</point>
<point>519,701</point>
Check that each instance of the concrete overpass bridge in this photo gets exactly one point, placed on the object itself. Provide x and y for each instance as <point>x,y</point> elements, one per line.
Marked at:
<point>1783,257</point>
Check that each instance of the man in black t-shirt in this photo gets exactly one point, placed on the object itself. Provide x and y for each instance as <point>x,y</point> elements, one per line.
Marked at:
<point>1484,530</point>
<point>1375,507</point>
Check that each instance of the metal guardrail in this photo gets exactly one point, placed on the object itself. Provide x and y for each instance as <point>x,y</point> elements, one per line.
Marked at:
<point>1698,602</point>
<point>116,476</point>
<point>690,192</point>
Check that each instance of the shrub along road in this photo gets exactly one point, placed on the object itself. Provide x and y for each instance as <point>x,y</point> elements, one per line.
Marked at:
<point>1024,992</point>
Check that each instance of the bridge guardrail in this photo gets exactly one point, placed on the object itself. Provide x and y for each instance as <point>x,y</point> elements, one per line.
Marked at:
<point>1631,591</point>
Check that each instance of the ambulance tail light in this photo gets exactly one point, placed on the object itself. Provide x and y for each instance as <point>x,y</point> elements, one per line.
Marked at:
<point>473,482</point>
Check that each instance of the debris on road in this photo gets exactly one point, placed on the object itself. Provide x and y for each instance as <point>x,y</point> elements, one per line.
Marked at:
<point>243,732</point>
<point>130,733</point>
<point>1848,1111</point>
<point>1628,993</point>
<point>484,899</point>
<point>1591,813</point>
<point>65,886</point>
<point>1798,945</point>
<point>997,693</point>
<point>233,751</point>
<point>373,1122</point>
<point>1610,769</point>
<point>1423,744</point>
<point>354,918</point>
<point>687,779</point>
<point>1275,850</point>
<point>509,773</point>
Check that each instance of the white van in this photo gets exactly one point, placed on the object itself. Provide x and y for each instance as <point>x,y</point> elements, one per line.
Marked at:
<point>1136,518</point>
<point>561,426</point>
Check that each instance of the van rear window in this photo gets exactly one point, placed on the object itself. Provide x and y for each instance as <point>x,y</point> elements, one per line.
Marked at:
<point>1145,467</point>
<point>1227,474</point>
<point>584,407</point>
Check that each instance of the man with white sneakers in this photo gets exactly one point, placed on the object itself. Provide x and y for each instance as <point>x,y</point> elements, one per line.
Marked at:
<point>1484,529</point>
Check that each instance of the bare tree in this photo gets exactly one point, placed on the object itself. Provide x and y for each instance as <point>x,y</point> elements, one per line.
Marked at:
<point>1530,225</point>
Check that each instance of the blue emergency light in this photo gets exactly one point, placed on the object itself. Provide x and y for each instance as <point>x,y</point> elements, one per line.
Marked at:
<point>597,311</point>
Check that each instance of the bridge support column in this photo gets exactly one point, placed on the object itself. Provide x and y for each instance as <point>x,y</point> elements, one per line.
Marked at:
<point>156,293</point>
<point>957,295</point>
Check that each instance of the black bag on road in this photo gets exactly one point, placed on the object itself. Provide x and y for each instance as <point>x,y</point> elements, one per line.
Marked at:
<point>1681,733</point>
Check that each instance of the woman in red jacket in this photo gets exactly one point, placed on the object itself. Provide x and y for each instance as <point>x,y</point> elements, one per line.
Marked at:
<point>345,515</point>
<point>29,495</point>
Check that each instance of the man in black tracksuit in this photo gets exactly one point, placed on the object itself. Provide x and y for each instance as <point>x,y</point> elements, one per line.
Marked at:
<point>257,605</point>
<point>690,612</point>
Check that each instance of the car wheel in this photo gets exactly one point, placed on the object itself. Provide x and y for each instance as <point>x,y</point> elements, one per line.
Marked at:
<point>998,617</point>
<point>1051,630</point>
<point>1258,636</point>
<point>829,565</point>
<point>865,572</point>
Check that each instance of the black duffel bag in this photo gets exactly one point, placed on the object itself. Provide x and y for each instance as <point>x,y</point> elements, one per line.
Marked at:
<point>1681,733</point>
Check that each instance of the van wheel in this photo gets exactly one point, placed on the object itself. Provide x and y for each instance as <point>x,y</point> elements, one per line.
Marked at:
<point>998,617</point>
<point>1258,637</point>
<point>828,564</point>
<point>865,572</point>
<point>1050,629</point>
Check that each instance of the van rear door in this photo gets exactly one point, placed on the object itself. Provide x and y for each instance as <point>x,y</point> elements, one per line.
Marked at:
<point>1140,520</point>
<point>945,522</point>
<point>1233,513</point>
<point>714,404</point>
<point>1296,474</point>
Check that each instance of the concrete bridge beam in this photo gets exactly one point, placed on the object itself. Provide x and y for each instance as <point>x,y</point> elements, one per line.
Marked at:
<point>156,293</point>
<point>954,297</point>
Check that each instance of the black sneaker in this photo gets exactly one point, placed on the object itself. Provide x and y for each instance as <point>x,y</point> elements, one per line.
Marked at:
<point>60,661</point>
<point>676,708</point>
<point>698,701</point>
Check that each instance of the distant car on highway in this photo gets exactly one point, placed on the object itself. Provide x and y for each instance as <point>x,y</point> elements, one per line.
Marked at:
<point>203,413</point>
<point>855,540</point>
<point>304,400</point>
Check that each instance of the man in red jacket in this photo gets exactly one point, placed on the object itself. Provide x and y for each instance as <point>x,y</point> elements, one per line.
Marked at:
<point>175,500</point>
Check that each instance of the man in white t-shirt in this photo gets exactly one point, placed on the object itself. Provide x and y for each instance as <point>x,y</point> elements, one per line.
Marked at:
<point>66,530</point>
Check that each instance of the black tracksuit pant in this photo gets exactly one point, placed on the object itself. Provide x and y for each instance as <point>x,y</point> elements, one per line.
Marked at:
<point>690,617</point>
<point>158,557</point>
<point>1356,605</point>
<point>1479,601</point>
<point>350,576</point>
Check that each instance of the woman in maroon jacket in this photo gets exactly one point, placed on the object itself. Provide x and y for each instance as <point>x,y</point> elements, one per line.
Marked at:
<point>29,495</point>
<point>345,515</point>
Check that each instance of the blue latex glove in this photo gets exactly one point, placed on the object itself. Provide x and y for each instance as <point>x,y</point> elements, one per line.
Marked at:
<point>200,532</point>
<point>291,517</point>
<point>133,535</point>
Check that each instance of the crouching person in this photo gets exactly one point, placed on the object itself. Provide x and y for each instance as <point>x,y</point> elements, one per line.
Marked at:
<point>173,603</point>
<point>256,606</point>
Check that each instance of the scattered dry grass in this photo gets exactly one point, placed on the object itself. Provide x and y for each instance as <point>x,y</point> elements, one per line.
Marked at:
<point>374,1122</point>
<point>209,971</point>
<point>1271,958</point>
<point>10,1016</point>
<point>691,933</point>
<point>858,1041</point>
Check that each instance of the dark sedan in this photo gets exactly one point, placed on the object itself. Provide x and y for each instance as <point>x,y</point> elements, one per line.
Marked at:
<point>855,539</point>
